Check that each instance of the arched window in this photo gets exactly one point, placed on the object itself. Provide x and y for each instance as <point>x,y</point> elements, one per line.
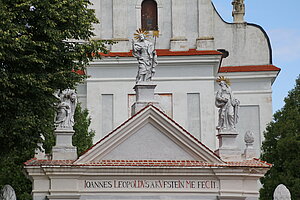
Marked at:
<point>149,15</point>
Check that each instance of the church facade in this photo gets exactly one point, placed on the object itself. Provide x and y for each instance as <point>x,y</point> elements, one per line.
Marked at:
<point>194,47</point>
<point>159,135</point>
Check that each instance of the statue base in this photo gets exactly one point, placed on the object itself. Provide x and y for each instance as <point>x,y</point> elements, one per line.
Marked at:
<point>144,96</point>
<point>228,149</point>
<point>205,43</point>
<point>179,44</point>
<point>249,152</point>
<point>64,150</point>
<point>238,17</point>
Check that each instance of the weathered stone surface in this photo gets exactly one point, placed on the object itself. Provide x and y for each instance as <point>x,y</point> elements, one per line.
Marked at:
<point>145,53</point>
<point>282,193</point>
<point>8,193</point>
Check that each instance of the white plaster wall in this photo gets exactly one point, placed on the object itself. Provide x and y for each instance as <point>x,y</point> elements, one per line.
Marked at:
<point>186,75</point>
<point>148,143</point>
<point>247,44</point>
<point>177,78</point>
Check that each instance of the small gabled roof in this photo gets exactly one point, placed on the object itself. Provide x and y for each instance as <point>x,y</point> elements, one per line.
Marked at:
<point>166,140</point>
<point>255,163</point>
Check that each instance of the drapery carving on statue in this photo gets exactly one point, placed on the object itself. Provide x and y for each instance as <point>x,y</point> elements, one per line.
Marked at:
<point>65,108</point>
<point>8,193</point>
<point>144,52</point>
<point>228,106</point>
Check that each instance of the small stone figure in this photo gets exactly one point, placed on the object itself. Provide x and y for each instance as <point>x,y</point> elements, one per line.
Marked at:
<point>8,193</point>
<point>238,11</point>
<point>65,109</point>
<point>238,6</point>
<point>282,193</point>
<point>145,53</point>
<point>228,106</point>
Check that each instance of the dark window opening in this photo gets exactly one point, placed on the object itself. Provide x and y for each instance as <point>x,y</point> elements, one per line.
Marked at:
<point>149,15</point>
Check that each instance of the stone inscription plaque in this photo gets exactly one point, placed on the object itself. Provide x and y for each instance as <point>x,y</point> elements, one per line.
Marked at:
<point>150,185</point>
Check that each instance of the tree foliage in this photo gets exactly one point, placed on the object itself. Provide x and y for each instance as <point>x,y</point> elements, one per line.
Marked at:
<point>42,44</point>
<point>282,148</point>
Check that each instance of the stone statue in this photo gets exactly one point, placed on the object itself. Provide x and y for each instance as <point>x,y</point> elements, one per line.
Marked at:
<point>8,193</point>
<point>228,106</point>
<point>282,193</point>
<point>65,109</point>
<point>145,53</point>
<point>238,6</point>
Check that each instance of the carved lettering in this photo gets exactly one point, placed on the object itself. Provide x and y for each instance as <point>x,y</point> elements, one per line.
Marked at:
<point>150,184</point>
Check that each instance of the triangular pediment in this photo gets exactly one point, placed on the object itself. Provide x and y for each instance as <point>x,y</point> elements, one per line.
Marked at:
<point>149,135</point>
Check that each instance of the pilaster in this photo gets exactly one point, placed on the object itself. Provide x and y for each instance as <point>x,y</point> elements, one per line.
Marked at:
<point>205,40</point>
<point>178,41</point>
<point>120,29</point>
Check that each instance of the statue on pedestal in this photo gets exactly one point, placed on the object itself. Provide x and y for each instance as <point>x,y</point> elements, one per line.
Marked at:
<point>145,53</point>
<point>228,106</point>
<point>65,108</point>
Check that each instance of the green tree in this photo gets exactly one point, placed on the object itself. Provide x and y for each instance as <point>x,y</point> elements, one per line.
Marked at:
<point>282,148</point>
<point>83,137</point>
<point>42,44</point>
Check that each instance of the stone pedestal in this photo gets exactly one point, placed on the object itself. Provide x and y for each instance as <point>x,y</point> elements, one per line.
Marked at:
<point>238,17</point>
<point>205,43</point>
<point>64,150</point>
<point>228,149</point>
<point>144,96</point>
<point>179,44</point>
<point>249,152</point>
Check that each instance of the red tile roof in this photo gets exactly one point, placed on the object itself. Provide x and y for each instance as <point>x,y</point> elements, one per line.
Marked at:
<point>249,68</point>
<point>165,52</point>
<point>150,163</point>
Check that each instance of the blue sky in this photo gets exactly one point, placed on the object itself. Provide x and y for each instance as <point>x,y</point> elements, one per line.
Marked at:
<point>281,21</point>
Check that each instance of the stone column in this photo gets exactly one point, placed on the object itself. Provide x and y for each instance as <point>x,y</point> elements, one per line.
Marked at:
<point>178,41</point>
<point>120,15</point>
<point>205,40</point>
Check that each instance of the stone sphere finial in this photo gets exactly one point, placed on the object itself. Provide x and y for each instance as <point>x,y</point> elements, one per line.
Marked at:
<point>249,137</point>
<point>282,193</point>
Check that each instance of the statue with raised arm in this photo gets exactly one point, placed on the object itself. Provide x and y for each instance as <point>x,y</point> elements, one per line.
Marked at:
<point>65,108</point>
<point>228,106</point>
<point>144,52</point>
